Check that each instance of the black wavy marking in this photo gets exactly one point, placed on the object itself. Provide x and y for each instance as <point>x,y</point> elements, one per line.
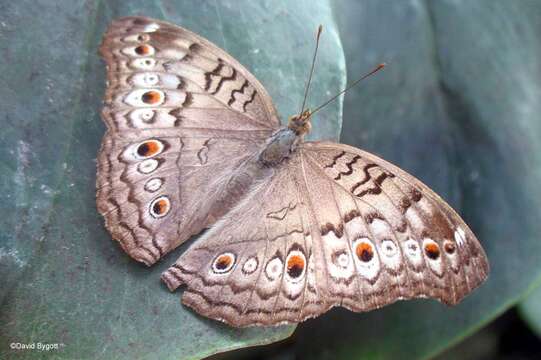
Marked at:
<point>349,165</point>
<point>377,188</point>
<point>335,159</point>
<point>328,227</point>
<point>202,154</point>
<point>285,209</point>
<point>215,71</point>
<point>223,79</point>
<point>240,91</point>
<point>366,179</point>
<point>250,100</point>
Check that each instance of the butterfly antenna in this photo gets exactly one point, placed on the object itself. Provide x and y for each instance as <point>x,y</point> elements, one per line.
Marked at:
<point>319,30</point>
<point>372,72</point>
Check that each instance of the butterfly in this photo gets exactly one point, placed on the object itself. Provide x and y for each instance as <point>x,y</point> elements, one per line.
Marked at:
<point>295,227</point>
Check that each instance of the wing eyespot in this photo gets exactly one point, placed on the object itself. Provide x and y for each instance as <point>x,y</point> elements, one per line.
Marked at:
<point>147,166</point>
<point>295,265</point>
<point>364,251</point>
<point>143,50</point>
<point>143,63</point>
<point>143,38</point>
<point>449,247</point>
<point>341,259</point>
<point>153,184</point>
<point>223,263</point>
<point>365,258</point>
<point>389,248</point>
<point>149,148</point>
<point>432,250</point>
<point>152,97</point>
<point>160,207</point>
<point>250,265</point>
<point>274,268</point>
<point>146,116</point>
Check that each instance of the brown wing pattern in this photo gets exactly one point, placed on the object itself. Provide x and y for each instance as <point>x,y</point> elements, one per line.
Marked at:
<point>181,115</point>
<point>257,265</point>
<point>420,247</point>
<point>333,226</point>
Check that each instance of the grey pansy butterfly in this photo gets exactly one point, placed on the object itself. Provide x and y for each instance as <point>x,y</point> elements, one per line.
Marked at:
<point>194,141</point>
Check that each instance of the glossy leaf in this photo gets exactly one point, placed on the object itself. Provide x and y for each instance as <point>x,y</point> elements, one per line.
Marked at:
<point>530,310</point>
<point>63,280</point>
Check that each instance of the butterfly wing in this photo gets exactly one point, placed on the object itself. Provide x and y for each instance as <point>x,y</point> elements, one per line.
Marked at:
<point>181,114</point>
<point>406,240</point>
<point>332,226</point>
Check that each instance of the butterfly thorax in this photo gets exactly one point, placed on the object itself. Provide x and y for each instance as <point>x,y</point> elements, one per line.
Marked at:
<point>283,142</point>
<point>278,147</point>
<point>300,124</point>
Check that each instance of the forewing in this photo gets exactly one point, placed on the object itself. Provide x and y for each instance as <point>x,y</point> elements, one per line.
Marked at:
<point>182,115</point>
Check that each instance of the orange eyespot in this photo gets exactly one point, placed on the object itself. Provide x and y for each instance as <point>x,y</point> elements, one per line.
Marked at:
<point>449,247</point>
<point>295,266</point>
<point>223,263</point>
<point>142,50</point>
<point>160,206</point>
<point>149,148</point>
<point>364,252</point>
<point>151,97</point>
<point>432,250</point>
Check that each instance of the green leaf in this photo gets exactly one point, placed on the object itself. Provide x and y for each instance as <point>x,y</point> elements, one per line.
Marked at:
<point>64,280</point>
<point>530,310</point>
<point>458,107</point>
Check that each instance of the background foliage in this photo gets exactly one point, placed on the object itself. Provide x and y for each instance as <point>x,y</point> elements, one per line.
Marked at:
<point>457,107</point>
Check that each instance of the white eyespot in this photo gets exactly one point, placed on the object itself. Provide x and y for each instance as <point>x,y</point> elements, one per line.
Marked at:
<point>147,166</point>
<point>142,115</point>
<point>274,268</point>
<point>413,251</point>
<point>142,37</point>
<point>153,184</point>
<point>151,28</point>
<point>295,265</point>
<point>388,248</point>
<point>343,260</point>
<point>223,263</point>
<point>391,254</point>
<point>160,206</point>
<point>145,79</point>
<point>250,265</point>
<point>145,97</point>
<point>146,63</point>
<point>136,38</point>
<point>139,50</point>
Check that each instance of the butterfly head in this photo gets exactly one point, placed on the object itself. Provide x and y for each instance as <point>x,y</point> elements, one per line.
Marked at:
<point>301,124</point>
